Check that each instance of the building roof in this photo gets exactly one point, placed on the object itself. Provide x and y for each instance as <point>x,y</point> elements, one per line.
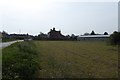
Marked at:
<point>93,36</point>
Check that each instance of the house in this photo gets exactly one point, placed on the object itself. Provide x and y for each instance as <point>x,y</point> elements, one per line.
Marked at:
<point>93,37</point>
<point>55,35</point>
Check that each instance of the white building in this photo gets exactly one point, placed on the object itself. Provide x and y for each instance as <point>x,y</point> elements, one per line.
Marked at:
<point>93,37</point>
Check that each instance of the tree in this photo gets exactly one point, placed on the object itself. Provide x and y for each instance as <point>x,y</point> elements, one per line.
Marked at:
<point>72,35</point>
<point>42,36</point>
<point>92,33</point>
<point>115,38</point>
<point>86,33</point>
<point>105,33</point>
<point>4,33</point>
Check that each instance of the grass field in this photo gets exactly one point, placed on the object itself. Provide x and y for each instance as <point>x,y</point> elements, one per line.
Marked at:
<point>76,59</point>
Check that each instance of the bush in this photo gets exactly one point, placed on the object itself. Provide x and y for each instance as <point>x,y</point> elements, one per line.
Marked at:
<point>20,61</point>
<point>115,38</point>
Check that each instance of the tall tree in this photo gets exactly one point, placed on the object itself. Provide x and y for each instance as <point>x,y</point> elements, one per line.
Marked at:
<point>4,33</point>
<point>92,33</point>
<point>105,33</point>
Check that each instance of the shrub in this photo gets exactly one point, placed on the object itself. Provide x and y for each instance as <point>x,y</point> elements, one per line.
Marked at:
<point>20,61</point>
<point>115,38</point>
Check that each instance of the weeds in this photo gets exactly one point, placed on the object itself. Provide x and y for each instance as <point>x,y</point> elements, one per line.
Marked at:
<point>20,61</point>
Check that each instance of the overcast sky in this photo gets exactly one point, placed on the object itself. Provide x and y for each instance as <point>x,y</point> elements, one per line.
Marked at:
<point>71,17</point>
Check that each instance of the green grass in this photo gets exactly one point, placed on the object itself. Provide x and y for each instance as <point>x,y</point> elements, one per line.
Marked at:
<point>77,59</point>
<point>19,61</point>
<point>59,59</point>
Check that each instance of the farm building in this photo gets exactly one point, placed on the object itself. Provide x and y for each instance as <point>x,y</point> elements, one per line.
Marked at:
<point>93,37</point>
<point>53,34</point>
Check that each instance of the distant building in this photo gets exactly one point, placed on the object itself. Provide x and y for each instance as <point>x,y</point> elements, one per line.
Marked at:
<point>53,34</point>
<point>93,37</point>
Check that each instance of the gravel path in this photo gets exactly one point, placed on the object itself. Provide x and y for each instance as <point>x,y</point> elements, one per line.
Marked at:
<point>5,44</point>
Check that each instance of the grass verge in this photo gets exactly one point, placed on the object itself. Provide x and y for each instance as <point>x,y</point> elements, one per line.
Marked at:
<point>19,61</point>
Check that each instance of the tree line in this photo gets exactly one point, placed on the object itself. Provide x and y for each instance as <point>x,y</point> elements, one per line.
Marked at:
<point>114,38</point>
